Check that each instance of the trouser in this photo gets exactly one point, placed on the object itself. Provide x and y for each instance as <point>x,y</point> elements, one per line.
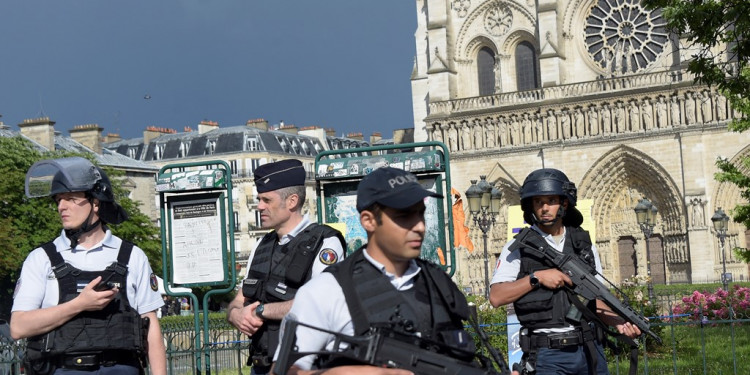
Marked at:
<point>102,370</point>
<point>570,360</point>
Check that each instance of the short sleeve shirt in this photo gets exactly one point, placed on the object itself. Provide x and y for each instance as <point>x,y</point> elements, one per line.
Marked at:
<point>320,303</point>
<point>509,264</point>
<point>37,285</point>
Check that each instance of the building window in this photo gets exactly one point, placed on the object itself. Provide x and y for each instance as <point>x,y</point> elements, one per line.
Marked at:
<point>132,151</point>
<point>486,71</point>
<point>252,144</point>
<point>258,222</point>
<point>237,226</point>
<point>233,167</point>
<point>526,77</point>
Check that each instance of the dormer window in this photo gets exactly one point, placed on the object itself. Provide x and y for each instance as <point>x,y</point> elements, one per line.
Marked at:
<point>252,144</point>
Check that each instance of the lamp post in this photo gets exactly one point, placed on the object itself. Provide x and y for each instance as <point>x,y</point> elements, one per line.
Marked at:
<point>484,204</point>
<point>645,213</point>
<point>721,223</point>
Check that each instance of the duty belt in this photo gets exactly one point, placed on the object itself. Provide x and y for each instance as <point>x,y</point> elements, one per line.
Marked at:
<point>92,361</point>
<point>558,340</point>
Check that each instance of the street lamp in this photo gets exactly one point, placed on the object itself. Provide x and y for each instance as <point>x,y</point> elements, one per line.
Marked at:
<point>721,223</point>
<point>484,204</point>
<point>645,213</point>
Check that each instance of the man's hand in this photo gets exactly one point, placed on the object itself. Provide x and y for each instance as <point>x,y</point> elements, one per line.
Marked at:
<point>245,319</point>
<point>553,278</point>
<point>91,300</point>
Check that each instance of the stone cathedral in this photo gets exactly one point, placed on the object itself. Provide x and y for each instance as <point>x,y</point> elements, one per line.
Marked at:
<point>600,90</point>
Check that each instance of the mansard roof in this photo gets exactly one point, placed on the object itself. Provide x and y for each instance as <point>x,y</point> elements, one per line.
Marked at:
<point>234,139</point>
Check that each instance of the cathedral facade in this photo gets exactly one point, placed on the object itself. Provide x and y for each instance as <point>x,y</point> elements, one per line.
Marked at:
<point>599,90</point>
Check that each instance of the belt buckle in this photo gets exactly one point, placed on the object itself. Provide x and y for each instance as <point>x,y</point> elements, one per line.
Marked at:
<point>88,360</point>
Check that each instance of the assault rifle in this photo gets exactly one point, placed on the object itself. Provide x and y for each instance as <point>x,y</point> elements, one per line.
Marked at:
<point>585,283</point>
<point>382,348</point>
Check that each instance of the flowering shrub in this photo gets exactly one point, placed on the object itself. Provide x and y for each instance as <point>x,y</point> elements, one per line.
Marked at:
<point>707,305</point>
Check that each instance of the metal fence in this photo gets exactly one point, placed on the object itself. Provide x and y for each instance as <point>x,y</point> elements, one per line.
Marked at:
<point>690,346</point>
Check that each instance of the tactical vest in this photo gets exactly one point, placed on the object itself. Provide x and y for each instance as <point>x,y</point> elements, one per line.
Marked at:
<point>277,272</point>
<point>117,327</point>
<point>433,307</point>
<point>542,307</point>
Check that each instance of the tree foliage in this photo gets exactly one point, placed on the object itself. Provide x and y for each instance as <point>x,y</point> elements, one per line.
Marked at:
<point>717,33</point>
<point>27,223</point>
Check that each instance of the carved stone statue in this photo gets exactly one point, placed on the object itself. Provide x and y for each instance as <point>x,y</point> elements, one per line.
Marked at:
<point>619,118</point>
<point>721,107</point>
<point>635,116</point>
<point>565,124</point>
<point>526,125</point>
<point>593,121</point>
<point>699,219</point>
<point>491,136</point>
<point>539,126</point>
<point>502,130</point>
<point>551,125</point>
<point>606,119</point>
<point>646,113</point>
<point>452,138</point>
<point>578,123</point>
<point>515,131</point>
<point>690,108</point>
<point>674,111</point>
<point>465,136</point>
<point>478,135</point>
<point>706,108</point>
<point>437,133</point>
<point>661,113</point>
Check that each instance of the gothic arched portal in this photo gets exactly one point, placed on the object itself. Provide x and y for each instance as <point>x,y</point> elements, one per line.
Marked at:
<point>615,183</point>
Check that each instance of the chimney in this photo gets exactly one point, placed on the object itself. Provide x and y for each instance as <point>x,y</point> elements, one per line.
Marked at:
<point>375,137</point>
<point>152,132</point>
<point>330,132</point>
<point>206,126</point>
<point>291,129</point>
<point>41,130</point>
<point>89,135</point>
<point>112,137</point>
<point>258,123</point>
<point>357,136</point>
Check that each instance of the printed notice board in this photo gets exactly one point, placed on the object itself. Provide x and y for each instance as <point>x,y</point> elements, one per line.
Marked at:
<point>196,239</point>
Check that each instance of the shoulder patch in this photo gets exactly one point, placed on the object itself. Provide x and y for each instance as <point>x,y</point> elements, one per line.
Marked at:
<point>328,256</point>
<point>154,283</point>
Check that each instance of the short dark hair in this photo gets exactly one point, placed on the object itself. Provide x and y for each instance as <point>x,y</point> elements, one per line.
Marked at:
<point>288,191</point>
<point>377,211</point>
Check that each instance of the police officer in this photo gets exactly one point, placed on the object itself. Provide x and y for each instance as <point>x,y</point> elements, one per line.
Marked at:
<point>284,259</point>
<point>86,301</point>
<point>384,283</point>
<point>553,340</point>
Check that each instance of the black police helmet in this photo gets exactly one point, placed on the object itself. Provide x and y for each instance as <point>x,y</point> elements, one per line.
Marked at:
<point>550,181</point>
<point>74,174</point>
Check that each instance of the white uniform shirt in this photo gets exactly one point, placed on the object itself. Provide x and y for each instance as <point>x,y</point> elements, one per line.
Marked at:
<point>324,257</point>
<point>321,303</point>
<point>509,264</point>
<point>37,286</point>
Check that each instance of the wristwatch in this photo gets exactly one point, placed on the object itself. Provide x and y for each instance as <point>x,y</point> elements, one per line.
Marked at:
<point>533,280</point>
<point>259,311</point>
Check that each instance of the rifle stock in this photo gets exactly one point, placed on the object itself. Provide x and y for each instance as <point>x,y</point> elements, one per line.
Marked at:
<point>381,349</point>
<point>585,283</point>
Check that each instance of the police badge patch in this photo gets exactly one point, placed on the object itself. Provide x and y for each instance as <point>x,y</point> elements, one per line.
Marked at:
<point>154,283</point>
<point>328,256</point>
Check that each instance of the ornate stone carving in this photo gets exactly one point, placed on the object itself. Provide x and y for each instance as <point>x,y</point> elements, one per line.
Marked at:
<point>498,19</point>
<point>621,36</point>
<point>461,7</point>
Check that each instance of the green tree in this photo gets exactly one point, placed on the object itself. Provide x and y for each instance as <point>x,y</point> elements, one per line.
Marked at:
<point>27,223</point>
<point>718,33</point>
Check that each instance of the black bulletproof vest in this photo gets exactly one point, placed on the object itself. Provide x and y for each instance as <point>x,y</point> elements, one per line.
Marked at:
<point>116,327</point>
<point>542,307</point>
<point>433,306</point>
<point>278,271</point>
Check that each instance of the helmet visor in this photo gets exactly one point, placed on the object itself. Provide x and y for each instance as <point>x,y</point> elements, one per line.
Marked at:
<point>50,177</point>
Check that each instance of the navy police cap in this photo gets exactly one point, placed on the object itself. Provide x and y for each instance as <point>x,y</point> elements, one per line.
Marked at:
<point>391,187</point>
<point>281,174</point>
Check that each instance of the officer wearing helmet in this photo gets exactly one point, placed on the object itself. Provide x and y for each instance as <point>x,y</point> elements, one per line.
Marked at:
<point>555,337</point>
<point>86,301</point>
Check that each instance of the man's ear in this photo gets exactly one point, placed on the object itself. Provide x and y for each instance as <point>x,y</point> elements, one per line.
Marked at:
<point>291,201</point>
<point>367,219</point>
